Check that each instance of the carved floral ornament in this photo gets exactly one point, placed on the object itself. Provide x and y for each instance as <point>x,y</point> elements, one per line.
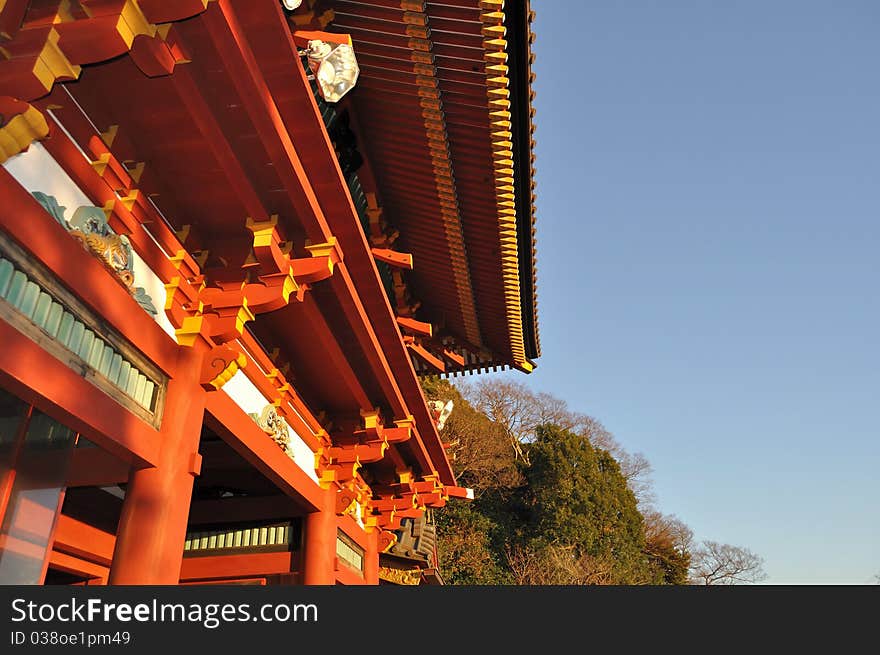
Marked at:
<point>400,576</point>
<point>89,226</point>
<point>275,426</point>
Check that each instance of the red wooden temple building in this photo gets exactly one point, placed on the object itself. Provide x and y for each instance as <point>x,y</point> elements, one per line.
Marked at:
<point>235,233</point>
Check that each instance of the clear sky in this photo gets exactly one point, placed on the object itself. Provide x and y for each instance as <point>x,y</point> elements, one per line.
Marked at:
<point>708,235</point>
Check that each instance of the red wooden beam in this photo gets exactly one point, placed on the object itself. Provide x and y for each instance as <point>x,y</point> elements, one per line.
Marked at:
<point>162,11</point>
<point>309,312</point>
<point>393,258</point>
<point>238,430</point>
<point>231,510</point>
<point>417,327</point>
<point>96,573</point>
<point>346,575</point>
<point>213,567</point>
<point>83,540</point>
<point>427,357</point>
<point>453,357</point>
<point>95,467</point>
<point>11,17</point>
<point>191,95</point>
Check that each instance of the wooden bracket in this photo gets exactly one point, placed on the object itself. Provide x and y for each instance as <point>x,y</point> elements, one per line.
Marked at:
<point>418,327</point>
<point>393,258</point>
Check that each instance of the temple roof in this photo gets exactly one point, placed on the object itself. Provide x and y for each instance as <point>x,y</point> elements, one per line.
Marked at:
<point>443,111</point>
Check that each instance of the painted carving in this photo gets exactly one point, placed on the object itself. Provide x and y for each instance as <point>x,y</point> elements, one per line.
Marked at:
<point>89,226</point>
<point>346,501</point>
<point>275,426</point>
<point>400,576</point>
<point>219,365</point>
<point>50,204</point>
<point>386,540</point>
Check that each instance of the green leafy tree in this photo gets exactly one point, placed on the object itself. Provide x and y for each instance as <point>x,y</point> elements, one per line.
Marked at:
<point>578,497</point>
<point>464,547</point>
<point>517,411</point>
<point>566,505</point>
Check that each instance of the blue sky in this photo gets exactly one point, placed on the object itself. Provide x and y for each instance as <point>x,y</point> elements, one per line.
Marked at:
<point>708,236</point>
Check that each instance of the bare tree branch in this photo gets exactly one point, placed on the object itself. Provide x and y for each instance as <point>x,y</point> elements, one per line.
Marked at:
<point>557,564</point>
<point>520,411</point>
<point>714,563</point>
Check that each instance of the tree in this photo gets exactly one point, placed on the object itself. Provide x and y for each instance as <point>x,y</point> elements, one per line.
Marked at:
<point>557,564</point>
<point>668,544</point>
<point>509,405</point>
<point>577,498</point>
<point>558,500</point>
<point>519,411</point>
<point>464,546</point>
<point>478,447</point>
<point>722,564</point>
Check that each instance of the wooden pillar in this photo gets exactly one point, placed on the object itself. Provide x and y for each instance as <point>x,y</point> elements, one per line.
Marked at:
<point>319,557</point>
<point>371,558</point>
<point>152,527</point>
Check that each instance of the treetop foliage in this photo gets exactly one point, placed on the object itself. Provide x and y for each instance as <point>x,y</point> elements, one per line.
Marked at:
<point>559,501</point>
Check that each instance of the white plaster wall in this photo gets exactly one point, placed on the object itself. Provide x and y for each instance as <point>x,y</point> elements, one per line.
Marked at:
<point>37,170</point>
<point>155,288</point>
<point>246,395</point>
